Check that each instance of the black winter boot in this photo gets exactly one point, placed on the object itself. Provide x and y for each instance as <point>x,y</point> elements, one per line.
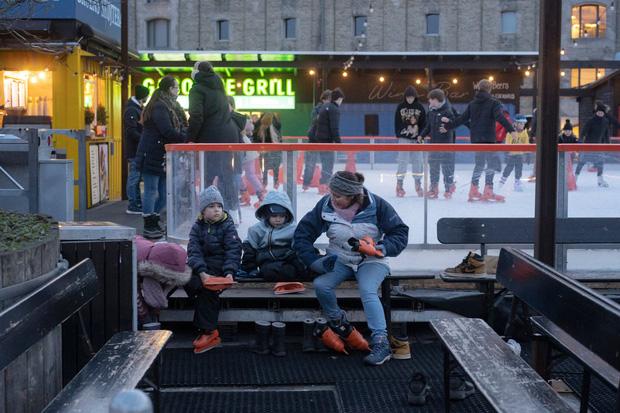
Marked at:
<point>309,340</point>
<point>151,230</point>
<point>159,224</point>
<point>278,348</point>
<point>262,337</point>
<point>319,327</point>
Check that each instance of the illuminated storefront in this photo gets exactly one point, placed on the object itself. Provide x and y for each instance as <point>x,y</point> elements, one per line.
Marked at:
<point>71,88</point>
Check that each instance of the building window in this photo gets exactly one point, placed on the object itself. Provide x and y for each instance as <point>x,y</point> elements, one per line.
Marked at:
<point>588,21</point>
<point>223,32</point>
<point>290,28</point>
<point>509,22</point>
<point>360,23</point>
<point>432,24</point>
<point>158,34</point>
<point>582,77</point>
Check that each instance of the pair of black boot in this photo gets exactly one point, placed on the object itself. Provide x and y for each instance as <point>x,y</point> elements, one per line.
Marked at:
<point>313,330</point>
<point>270,338</point>
<point>152,229</point>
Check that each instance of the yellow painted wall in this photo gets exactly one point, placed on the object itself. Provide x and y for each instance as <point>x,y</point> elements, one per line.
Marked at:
<point>68,108</point>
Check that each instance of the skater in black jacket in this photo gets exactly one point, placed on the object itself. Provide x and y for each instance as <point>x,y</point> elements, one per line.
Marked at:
<point>440,108</point>
<point>409,120</point>
<point>596,130</point>
<point>482,113</point>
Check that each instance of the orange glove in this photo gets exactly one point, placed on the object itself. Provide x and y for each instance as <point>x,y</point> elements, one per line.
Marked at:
<point>366,246</point>
<point>217,283</point>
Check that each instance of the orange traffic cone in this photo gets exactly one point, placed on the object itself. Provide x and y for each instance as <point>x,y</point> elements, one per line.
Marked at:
<point>350,165</point>
<point>571,182</point>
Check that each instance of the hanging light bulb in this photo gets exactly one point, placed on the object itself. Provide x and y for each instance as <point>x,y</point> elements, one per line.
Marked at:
<point>491,78</point>
<point>455,81</point>
<point>345,74</point>
<point>562,51</point>
<point>418,81</point>
<point>562,73</point>
<point>311,72</point>
<point>575,44</point>
<point>370,9</point>
<point>381,79</point>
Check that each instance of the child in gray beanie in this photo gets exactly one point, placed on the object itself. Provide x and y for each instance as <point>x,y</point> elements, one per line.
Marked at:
<point>214,250</point>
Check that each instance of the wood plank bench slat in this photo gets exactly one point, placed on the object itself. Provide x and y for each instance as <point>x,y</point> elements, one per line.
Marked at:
<point>119,365</point>
<point>505,379</point>
<point>582,313</point>
<point>521,230</point>
<point>560,337</point>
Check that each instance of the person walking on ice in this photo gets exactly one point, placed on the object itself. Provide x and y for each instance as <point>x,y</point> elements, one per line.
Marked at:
<point>363,230</point>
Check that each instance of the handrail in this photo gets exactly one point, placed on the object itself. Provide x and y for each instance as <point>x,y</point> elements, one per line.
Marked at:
<point>373,147</point>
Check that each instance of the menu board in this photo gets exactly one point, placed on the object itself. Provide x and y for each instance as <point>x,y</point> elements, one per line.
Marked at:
<point>95,195</point>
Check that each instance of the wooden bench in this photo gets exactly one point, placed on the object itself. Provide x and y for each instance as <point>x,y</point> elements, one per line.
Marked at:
<point>506,381</point>
<point>30,337</point>
<point>34,316</point>
<point>514,231</point>
<point>120,365</point>
<point>574,318</point>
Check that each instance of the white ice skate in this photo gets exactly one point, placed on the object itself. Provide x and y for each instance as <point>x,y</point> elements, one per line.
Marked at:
<point>602,183</point>
<point>518,187</point>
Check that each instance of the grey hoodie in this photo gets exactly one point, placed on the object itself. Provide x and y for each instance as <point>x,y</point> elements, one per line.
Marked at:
<point>272,244</point>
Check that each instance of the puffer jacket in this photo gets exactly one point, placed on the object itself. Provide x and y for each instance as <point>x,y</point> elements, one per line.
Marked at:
<point>482,113</point>
<point>158,131</point>
<point>214,248</point>
<point>328,124</point>
<point>434,124</point>
<point>265,243</point>
<point>376,218</point>
<point>210,119</point>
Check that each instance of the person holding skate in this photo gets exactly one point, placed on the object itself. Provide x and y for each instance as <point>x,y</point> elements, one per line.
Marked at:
<point>363,229</point>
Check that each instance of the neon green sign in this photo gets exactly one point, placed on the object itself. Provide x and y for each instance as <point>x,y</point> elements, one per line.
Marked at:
<point>250,93</point>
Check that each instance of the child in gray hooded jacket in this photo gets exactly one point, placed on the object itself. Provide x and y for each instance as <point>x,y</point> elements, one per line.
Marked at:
<point>268,252</point>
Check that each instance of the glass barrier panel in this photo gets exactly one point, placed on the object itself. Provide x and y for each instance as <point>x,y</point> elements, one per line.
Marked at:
<point>422,187</point>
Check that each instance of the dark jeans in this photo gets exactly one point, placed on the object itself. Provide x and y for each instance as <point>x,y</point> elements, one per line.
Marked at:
<point>514,162</point>
<point>310,160</point>
<point>595,158</point>
<point>154,194</point>
<point>220,165</point>
<point>133,185</point>
<point>271,160</point>
<point>491,161</point>
<point>284,271</point>
<point>445,160</point>
<point>206,304</point>
<point>327,166</point>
